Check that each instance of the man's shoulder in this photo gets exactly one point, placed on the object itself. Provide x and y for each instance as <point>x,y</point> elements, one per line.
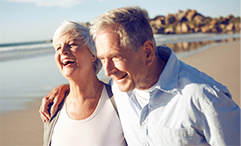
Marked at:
<point>189,74</point>
<point>198,84</point>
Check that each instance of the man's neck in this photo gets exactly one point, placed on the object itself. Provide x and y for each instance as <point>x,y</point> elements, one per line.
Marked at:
<point>155,71</point>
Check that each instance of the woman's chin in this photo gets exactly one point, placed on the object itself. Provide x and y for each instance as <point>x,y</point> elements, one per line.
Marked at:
<point>67,74</point>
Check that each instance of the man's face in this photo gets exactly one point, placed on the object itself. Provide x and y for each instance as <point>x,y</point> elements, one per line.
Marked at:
<point>125,67</point>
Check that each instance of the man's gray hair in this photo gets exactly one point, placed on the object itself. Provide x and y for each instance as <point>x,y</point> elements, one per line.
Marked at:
<point>131,24</point>
<point>81,32</point>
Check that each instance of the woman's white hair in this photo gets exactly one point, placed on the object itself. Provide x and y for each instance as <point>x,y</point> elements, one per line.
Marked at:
<point>81,32</point>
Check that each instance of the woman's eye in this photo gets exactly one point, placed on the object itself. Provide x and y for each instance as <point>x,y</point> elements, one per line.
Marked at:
<point>72,45</point>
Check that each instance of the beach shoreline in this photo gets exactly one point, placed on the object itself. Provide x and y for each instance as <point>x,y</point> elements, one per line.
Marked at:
<point>222,62</point>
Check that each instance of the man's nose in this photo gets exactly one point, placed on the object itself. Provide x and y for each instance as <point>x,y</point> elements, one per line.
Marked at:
<point>109,67</point>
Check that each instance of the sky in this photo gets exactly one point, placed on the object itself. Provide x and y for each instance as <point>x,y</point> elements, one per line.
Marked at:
<point>36,20</point>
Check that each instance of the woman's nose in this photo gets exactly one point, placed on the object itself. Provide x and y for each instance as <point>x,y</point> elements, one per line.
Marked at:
<point>65,50</point>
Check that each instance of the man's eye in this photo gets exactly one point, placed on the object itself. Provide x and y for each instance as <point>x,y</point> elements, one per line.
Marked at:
<point>116,58</point>
<point>102,60</point>
<point>58,48</point>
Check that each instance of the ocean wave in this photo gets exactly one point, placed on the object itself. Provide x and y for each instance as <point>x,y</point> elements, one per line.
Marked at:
<point>26,47</point>
<point>12,52</point>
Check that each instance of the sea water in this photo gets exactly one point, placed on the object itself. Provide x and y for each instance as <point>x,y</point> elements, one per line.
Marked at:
<point>28,70</point>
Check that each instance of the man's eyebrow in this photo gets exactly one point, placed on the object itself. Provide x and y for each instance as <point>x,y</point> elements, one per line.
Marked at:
<point>110,55</point>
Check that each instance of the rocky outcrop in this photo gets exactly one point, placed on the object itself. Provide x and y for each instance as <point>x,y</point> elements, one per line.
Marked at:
<point>170,19</point>
<point>191,21</point>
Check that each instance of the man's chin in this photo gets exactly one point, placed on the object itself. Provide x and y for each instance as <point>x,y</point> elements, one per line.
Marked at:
<point>124,88</point>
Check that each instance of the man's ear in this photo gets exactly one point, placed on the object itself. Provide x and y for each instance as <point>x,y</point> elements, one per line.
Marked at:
<point>149,50</point>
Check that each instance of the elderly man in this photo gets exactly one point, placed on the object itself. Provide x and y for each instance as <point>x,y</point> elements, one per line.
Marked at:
<point>160,100</point>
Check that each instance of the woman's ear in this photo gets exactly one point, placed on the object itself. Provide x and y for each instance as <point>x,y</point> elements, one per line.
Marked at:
<point>149,50</point>
<point>93,58</point>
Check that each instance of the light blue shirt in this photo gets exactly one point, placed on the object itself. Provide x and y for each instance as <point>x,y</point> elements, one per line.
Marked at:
<point>187,107</point>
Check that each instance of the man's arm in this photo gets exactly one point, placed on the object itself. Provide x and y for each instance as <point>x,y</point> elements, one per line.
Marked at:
<point>222,118</point>
<point>54,97</point>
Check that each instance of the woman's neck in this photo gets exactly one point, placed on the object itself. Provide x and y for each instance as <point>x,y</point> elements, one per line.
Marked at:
<point>85,89</point>
<point>83,97</point>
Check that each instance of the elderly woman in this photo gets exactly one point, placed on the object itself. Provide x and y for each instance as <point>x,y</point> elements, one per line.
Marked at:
<point>86,116</point>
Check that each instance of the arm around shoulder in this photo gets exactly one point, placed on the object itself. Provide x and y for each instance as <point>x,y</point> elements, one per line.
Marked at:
<point>53,99</point>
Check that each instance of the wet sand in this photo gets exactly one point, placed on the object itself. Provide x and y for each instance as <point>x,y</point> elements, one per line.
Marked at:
<point>222,62</point>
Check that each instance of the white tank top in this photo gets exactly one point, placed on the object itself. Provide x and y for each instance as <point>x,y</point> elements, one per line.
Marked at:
<point>102,128</point>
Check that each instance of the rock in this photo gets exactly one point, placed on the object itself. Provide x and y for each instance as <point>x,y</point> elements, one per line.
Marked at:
<point>197,29</point>
<point>230,27</point>
<point>160,30</point>
<point>222,20</point>
<point>190,14</point>
<point>157,22</point>
<point>185,28</point>
<point>170,19</point>
<point>178,28</point>
<point>188,10</point>
<point>169,30</point>
<point>214,22</point>
<point>237,26</point>
<point>199,18</point>
<point>152,23</point>
<point>214,28</point>
<point>154,30</point>
<point>180,11</point>
<point>192,26</point>
<point>222,26</point>
<point>230,17</point>
<point>181,17</point>
<point>191,21</point>
<point>205,29</point>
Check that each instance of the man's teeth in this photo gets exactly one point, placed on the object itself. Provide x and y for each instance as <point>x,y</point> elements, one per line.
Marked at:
<point>66,61</point>
<point>121,77</point>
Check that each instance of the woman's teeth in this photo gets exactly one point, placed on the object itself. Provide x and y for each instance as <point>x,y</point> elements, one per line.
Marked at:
<point>67,61</point>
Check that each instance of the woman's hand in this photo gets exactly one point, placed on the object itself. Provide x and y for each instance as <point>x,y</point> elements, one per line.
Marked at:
<point>54,97</point>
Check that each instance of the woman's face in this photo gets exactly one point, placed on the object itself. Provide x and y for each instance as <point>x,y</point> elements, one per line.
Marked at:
<point>72,57</point>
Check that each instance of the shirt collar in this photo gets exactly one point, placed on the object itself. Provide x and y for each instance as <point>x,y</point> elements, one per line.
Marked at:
<point>168,79</point>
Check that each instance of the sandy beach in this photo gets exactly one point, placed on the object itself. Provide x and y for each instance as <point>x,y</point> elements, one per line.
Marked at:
<point>222,62</point>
